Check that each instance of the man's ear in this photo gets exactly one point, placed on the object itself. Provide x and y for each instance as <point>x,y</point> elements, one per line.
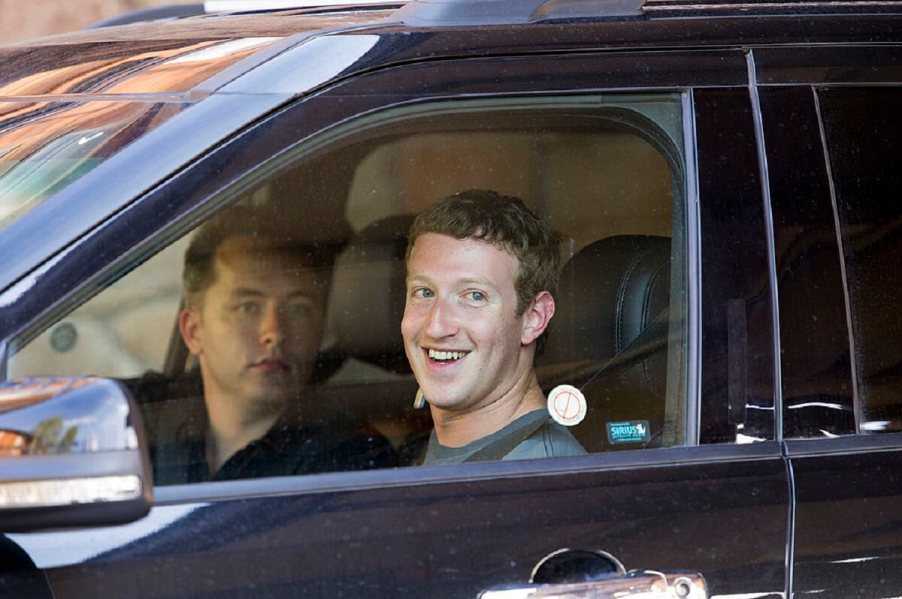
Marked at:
<point>189,327</point>
<point>537,316</point>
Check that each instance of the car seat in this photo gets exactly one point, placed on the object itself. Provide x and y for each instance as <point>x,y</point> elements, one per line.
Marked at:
<point>367,300</point>
<point>609,338</point>
<point>366,306</point>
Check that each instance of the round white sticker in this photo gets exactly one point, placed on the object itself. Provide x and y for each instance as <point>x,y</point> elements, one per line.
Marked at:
<point>567,405</point>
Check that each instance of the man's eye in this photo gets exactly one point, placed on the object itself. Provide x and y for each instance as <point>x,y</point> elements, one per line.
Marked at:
<point>423,293</point>
<point>301,310</point>
<point>476,296</point>
<point>249,308</point>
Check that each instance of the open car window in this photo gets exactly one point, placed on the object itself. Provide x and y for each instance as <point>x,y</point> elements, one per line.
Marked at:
<point>607,172</point>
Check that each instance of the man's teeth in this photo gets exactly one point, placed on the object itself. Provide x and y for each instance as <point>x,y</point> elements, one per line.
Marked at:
<point>446,355</point>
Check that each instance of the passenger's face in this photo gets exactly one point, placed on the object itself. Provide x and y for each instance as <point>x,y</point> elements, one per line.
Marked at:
<point>464,340</point>
<point>258,327</point>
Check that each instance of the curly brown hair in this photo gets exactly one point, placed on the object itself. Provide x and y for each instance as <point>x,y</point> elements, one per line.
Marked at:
<point>505,222</point>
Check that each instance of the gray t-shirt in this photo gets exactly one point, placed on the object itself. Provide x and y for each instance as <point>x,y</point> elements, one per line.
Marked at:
<point>549,440</point>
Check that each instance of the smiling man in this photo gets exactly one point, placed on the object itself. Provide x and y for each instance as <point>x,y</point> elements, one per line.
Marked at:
<point>481,271</point>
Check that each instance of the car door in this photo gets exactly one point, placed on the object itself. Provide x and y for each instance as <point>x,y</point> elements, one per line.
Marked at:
<point>708,493</point>
<point>832,110</point>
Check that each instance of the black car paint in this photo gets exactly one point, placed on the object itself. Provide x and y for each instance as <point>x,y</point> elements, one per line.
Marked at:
<point>847,517</point>
<point>724,510</point>
<point>424,533</point>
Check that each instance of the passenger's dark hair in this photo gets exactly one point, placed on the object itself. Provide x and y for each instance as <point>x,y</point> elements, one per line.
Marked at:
<point>270,231</point>
<point>505,222</point>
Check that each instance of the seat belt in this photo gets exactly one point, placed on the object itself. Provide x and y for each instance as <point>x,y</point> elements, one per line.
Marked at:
<point>652,338</point>
<point>496,450</point>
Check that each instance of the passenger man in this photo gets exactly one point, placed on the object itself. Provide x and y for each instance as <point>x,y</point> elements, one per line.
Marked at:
<point>481,271</point>
<point>253,318</point>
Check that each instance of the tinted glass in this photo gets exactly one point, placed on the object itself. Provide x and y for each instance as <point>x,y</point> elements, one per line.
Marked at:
<point>864,140</point>
<point>814,334</point>
<point>69,106</point>
<point>737,319</point>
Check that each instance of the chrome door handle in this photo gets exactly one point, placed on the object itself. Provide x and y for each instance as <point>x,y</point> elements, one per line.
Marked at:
<point>647,584</point>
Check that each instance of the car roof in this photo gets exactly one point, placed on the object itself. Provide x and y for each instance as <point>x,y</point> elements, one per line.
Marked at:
<point>186,50</point>
<point>121,87</point>
<point>237,39</point>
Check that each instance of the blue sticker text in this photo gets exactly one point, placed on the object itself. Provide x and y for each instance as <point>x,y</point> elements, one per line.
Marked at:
<point>632,431</point>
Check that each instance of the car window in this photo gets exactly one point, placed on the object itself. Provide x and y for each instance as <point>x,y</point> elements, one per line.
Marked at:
<point>815,369</point>
<point>607,172</point>
<point>864,139</point>
<point>51,152</point>
<point>50,143</point>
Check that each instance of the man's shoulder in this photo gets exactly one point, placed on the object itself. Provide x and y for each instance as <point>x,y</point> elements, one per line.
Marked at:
<point>549,440</point>
<point>533,435</point>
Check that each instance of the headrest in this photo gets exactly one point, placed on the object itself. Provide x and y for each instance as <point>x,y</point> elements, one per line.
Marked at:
<point>368,289</point>
<point>608,294</point>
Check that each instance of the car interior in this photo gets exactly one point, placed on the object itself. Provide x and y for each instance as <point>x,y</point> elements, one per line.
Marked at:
<point>609,179</point>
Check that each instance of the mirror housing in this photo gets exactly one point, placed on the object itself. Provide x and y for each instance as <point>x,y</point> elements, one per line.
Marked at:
<point>72,454</point>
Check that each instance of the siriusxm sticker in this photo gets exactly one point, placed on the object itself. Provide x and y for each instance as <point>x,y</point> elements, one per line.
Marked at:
<point>633,431</point>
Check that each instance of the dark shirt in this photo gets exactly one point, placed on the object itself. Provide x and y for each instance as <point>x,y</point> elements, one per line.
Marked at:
<point>178,438</point>
<point>283,451</point>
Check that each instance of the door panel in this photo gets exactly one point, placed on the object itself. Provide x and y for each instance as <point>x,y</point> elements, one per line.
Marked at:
<point>848,541</point>
<point>718,511</point>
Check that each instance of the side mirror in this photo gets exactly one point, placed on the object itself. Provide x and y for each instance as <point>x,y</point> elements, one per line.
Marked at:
<point>72,453</point>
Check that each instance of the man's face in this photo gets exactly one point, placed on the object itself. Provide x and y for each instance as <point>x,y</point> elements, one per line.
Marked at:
<point>257,328</point>
<point>466,344</point>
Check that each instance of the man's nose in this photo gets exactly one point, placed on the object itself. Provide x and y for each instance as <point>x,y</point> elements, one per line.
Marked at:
<point>441,320</point>
<point>272,329</point>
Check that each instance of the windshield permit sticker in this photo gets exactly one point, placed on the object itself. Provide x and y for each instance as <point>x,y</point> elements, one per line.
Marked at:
<point>567,405</point>
<point>632,431</point>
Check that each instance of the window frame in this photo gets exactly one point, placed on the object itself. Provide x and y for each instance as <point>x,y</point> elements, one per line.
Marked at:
<point>129,237</point>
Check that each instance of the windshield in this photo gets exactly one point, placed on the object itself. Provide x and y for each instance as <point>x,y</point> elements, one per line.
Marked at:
<point>69,102</point>
<point>62,141</point>
<point>65,108</point>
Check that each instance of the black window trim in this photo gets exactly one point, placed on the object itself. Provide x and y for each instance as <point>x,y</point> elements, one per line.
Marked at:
<point>764,177</point>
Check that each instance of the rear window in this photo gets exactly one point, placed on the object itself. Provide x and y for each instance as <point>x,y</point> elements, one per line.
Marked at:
<point>864,139</point>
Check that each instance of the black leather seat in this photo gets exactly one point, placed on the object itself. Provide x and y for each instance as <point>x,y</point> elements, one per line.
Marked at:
<point>608,336</point>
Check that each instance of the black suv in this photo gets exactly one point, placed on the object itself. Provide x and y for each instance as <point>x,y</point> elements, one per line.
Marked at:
<point>728,181</point>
